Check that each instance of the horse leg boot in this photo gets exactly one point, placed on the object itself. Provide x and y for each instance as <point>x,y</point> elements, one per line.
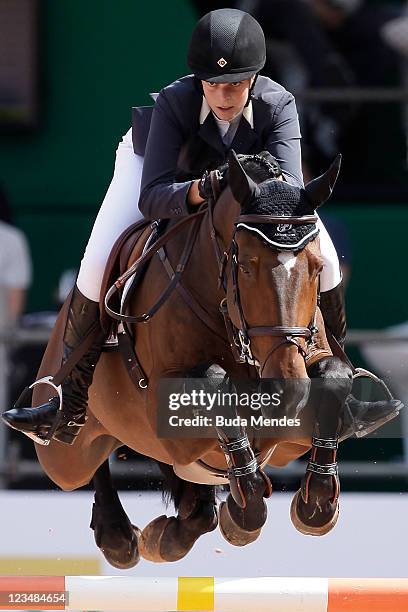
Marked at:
<point>244,513</point>
<point>244,474</point>
<point>368,416</point>
<point>63,423</point>
<point>315,507</point>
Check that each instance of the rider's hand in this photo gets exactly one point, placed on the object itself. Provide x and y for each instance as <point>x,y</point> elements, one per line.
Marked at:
<point>193,197</point>
<point>205,187</point>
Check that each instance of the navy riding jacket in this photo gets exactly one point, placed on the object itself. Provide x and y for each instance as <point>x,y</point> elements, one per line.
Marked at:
<point>179,149</point>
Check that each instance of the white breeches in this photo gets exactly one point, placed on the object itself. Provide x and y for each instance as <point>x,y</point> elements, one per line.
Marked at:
<point>120,209</point>
<point>330,276</point>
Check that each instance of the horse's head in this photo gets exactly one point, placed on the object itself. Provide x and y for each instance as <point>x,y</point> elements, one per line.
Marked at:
<point>274,263</point>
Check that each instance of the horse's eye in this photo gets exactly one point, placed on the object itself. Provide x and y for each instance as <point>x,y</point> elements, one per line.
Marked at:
<point>244,269</point>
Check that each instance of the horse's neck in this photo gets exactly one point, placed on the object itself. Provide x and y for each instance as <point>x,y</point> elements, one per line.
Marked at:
<point>202,274</point>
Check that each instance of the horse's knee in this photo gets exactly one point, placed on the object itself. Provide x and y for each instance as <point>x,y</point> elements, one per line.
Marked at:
<point>205,370</point>
<point>330,367</point>
<point>336,375</point>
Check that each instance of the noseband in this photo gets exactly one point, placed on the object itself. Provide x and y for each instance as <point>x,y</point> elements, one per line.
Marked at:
<point>242,336</point>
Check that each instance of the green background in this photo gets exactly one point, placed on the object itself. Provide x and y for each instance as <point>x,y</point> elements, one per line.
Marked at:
<point>97,59</point>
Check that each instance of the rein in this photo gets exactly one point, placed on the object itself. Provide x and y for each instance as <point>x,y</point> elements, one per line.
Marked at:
<point>239,338</point>
<point>145,257</point>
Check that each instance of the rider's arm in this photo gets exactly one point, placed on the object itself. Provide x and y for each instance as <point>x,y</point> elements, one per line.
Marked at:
<point>162,197</point>
<point>283,140</point>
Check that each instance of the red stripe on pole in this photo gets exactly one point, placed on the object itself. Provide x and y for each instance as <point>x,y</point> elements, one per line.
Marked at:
<point>368,595</point>
<point>22,592</point>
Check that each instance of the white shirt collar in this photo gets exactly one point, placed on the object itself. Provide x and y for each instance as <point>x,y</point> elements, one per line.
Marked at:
<point>247,113</point>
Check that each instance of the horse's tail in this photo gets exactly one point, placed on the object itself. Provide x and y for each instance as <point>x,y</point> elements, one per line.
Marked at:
<point>180,491</point>
<point>173,486</point>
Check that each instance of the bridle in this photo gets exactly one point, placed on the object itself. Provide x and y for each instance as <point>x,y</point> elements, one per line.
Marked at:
<point>240,337</point>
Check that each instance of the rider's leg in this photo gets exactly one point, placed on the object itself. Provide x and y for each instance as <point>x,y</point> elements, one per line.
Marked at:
<point>118,211</point>
<point>332,303</point>
<point>368,415</point>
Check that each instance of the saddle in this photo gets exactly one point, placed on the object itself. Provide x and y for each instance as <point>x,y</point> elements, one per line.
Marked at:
<point>125,252</point>
<point>124,271</point>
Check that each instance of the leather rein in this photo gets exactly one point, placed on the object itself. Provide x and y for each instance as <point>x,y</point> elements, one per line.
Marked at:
<point>239,338</point>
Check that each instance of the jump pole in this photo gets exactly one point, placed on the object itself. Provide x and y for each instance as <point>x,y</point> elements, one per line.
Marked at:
<point>203,594</point>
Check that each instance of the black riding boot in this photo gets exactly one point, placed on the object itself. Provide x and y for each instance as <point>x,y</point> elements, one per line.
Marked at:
<point>361,418</point>
<point>333,311</point>
<point>38,422</point>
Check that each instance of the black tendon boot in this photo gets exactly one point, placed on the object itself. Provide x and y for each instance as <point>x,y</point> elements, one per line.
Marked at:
<point>38,423</point>
<point>334,313</point>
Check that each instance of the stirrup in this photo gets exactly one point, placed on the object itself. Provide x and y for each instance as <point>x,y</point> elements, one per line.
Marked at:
<point>359,428</point>
<point>46,380</point>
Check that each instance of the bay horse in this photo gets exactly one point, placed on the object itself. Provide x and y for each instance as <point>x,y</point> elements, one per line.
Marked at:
<point>255,252</point>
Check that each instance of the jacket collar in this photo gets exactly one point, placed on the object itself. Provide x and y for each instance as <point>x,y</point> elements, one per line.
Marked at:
<point>245,135</point>
<point>248,112</point>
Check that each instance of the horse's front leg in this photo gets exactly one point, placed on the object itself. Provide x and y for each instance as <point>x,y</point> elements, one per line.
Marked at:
<point>244,513</point>
<point>315,507</point>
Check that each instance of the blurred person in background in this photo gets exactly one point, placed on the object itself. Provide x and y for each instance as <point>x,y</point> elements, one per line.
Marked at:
<point>15,267</point>
<point>15,278</point>
<point>337,44</point>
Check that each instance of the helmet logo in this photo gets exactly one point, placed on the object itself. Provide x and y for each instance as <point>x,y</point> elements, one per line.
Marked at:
<point>222,62</point>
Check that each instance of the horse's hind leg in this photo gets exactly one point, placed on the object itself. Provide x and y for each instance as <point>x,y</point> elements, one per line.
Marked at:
<point>171,538</point>
<point>315,507</point>
<point>114,534</point>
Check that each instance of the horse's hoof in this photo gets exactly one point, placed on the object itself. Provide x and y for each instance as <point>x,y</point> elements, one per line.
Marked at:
<point>162,540</point>
<point>234,534</point>
<point>126,554</point>
<point>167,539</point>
<point>150,539</point>
<point>310,529</point>
<point>116,537</point>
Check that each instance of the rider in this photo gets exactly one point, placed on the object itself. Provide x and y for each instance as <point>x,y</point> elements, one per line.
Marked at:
<point>196,120</point>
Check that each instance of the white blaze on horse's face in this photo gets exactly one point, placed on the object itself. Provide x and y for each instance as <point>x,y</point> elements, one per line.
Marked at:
<point>288,259</point>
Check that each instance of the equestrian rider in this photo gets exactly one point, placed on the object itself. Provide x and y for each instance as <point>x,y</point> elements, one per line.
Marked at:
<point>196,120</point>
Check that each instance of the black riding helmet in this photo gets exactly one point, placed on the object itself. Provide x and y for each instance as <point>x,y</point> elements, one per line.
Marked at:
<point>226,46</point>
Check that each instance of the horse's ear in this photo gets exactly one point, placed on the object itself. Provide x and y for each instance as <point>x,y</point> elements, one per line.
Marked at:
<point>242,186</point>
<point>320,189</point>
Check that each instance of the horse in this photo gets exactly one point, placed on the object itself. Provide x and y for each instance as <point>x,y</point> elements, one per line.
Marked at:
<point>254,251</point>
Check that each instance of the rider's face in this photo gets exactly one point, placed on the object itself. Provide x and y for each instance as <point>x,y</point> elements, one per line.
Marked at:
<point>226,100</point>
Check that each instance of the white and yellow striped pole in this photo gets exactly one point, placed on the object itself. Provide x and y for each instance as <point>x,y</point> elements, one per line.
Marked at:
<point>204,594</point>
